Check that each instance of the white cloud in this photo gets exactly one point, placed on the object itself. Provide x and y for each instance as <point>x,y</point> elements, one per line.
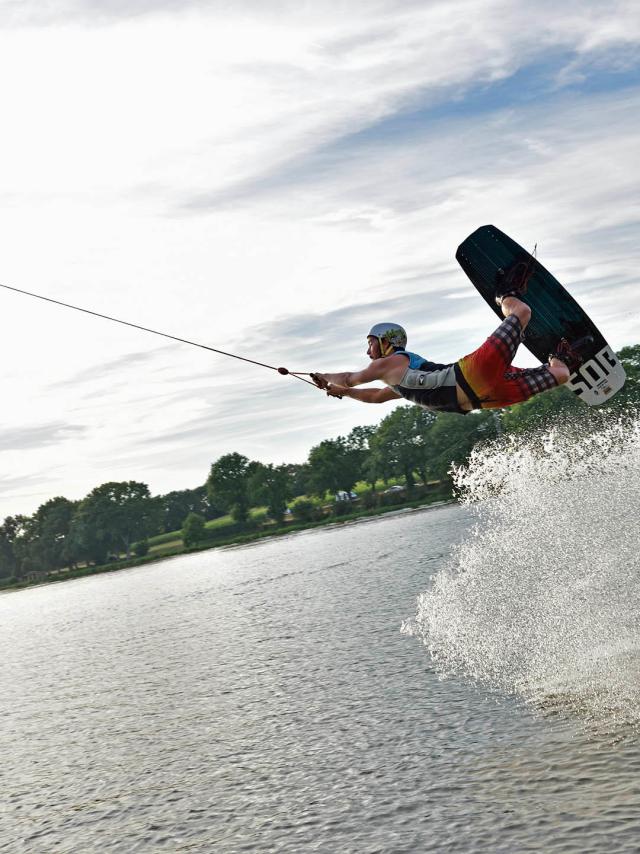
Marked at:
<point>206,169</point>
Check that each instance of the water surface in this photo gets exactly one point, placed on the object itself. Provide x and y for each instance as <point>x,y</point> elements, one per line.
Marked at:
<point>296,695</point>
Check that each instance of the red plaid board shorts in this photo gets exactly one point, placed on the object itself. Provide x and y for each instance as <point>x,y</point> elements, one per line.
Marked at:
<point>491,381</point>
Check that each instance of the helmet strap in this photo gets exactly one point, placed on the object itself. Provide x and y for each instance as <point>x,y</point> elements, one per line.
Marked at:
<point>385,351</point>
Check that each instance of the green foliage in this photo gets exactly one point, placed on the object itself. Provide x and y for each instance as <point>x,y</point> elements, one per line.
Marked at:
<point>370,469</point>
<point>7,558</point>
<point>110,519</point>
<point>389,499</point>
<point>228,485</point>
<point>542,411</point>
<point>9,532</point>
<point>342,508</point>
<point>400,445</point>
<point>303,509</point>
<point>141,548</point>
<point>451,440</point>
<point>43,545</point>
<point>412,442</point>
<point>163,539</point>
<point>325,467</point>
<point>298,478</point>
<point>271,485</point>
<point>629,396</point>
<point>359,438</point>
<point>336,464</point>
<point>193,530</point>
<point>37,543</point>
<point>177,505</point>
<point>370,500</point>
<point>359,450</point>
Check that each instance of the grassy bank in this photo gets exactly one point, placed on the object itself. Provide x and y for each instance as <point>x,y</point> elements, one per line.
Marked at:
<point>224,532</point>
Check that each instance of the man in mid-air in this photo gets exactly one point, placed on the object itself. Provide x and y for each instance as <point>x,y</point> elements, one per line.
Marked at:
<point>485,379</point>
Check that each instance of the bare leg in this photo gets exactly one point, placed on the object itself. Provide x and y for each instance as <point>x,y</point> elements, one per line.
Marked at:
<point>513,305</point>
<point>559,370</point>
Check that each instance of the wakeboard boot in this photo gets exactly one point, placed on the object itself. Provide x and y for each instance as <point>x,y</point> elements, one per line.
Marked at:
<point>571,352</point>
<point>513,281</point>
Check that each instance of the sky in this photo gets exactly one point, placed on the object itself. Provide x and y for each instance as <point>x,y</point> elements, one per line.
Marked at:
<point>271,179</point>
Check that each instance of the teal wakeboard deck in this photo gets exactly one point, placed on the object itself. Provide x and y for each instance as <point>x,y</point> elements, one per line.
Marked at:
<point>487,255</point>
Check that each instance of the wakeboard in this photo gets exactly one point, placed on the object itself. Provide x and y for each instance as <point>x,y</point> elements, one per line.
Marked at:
<point>488,255</point>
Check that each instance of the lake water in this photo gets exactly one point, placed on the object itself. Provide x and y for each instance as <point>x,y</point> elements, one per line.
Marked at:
<point>454,679</point>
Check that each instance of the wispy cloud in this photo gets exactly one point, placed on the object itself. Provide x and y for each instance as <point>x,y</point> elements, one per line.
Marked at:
<point>43,435</point>
<point>107,369</point>
<point>25,486</point>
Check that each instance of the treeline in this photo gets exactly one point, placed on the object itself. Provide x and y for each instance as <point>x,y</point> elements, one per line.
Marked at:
<point>117,518</point>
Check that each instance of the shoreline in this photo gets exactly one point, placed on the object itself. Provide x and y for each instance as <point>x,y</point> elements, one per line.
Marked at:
<point>240,540</point>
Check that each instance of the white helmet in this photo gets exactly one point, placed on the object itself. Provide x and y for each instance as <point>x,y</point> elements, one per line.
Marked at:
<point>392,332</point>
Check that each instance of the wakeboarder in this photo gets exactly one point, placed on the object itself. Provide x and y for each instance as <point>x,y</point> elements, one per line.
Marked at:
<point>485,379</point>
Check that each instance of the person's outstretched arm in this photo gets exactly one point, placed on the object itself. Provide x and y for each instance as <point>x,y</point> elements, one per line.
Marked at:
<point>366,395</point>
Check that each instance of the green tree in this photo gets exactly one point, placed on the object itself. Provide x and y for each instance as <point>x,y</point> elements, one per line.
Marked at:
<point>629,394</point>
<point>541,411</point>
<point>324,467</point>
<point>88,540</point>
<point>177,505</point>
<point>452,438</point>
<point>10,531</point>
<point>378,464</point>
<point>303,510</point>
<point>111,518</point>
<point>14,539</point>
<point>371,469</point>
<point>8,561</point>
<point>359,450</point>
<point>141,548</point>
<point>228,485</point>
<point>401,442</point>
<point>193,530</point>
<point>44,543</point>
<point>336,464</point>
<point>271,485</point>
<point>298,477</point>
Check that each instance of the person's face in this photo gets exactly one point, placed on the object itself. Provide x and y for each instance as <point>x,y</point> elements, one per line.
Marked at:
<point>373,350</point>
